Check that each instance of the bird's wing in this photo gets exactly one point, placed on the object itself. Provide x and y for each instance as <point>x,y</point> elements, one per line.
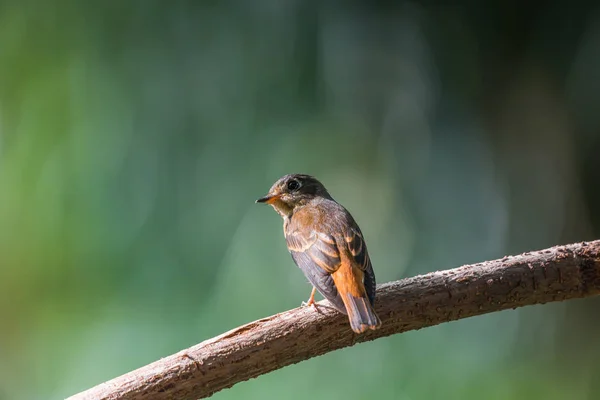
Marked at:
<point>317,255</point>
<point>358,249</point>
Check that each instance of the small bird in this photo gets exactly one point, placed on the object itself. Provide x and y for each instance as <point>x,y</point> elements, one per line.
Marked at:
<point>328,246</point>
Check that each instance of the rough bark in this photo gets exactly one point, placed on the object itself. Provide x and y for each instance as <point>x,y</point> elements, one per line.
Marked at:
<point>555,274</point>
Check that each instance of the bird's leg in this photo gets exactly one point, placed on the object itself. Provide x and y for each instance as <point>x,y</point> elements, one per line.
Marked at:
<point>311,299</point>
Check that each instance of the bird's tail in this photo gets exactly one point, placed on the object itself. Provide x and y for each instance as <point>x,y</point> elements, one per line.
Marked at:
<point>349,283</point>
<point>361,313</point>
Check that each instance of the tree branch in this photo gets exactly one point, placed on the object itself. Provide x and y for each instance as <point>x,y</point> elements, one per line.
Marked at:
<point>555,274</point>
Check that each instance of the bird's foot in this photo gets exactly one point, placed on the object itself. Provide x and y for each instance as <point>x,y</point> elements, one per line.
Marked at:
<point>309,303</point>
<point>311,300</point>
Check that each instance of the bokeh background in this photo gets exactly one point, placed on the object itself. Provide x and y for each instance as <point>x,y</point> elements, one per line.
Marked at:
<point>136,135</point>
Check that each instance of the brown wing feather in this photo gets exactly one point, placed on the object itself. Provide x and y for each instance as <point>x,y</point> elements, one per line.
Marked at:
<point>316,254</point>
<point>358,249</point>
<point>356,246</point>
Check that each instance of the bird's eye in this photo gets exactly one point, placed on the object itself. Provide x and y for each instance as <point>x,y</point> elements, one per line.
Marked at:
<point>293,185</point>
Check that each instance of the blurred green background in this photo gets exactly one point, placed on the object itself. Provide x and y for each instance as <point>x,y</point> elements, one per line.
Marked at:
<point>136,135</point>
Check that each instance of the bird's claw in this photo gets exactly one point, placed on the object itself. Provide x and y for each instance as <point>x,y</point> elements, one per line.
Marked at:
<point>311,300</point>
<point>309,303</point>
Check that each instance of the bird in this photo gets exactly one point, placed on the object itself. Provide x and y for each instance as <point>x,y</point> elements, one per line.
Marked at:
<point>326,243</point>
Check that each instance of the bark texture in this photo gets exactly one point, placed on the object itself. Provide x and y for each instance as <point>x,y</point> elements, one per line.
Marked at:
<point>555,274</point>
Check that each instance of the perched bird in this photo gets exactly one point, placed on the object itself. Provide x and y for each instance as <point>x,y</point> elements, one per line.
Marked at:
<point>328,246</point>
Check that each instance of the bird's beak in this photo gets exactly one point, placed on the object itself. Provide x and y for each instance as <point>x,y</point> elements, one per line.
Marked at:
<point>269,199</point>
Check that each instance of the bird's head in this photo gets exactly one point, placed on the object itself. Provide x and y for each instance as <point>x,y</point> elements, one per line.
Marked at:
<point>293,191</point>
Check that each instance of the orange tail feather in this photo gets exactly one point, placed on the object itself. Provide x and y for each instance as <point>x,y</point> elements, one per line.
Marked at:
<point>349,283</point>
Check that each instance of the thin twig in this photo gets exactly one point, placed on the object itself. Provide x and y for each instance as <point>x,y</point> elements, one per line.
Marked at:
<point>555,274</point>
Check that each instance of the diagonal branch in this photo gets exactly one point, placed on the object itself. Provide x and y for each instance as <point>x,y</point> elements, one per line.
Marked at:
<point>555,274</point>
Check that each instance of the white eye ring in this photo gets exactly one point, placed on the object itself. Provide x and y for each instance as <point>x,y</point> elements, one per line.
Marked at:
<point>293,185</point>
